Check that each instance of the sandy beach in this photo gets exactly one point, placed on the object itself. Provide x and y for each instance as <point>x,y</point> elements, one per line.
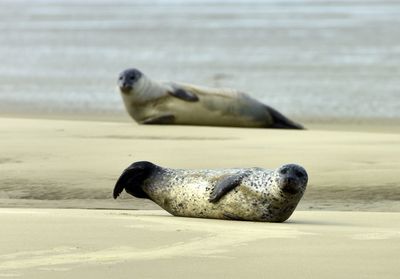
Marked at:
<point>351,206</point>
<point>64,163</point>
<point>59,243</point>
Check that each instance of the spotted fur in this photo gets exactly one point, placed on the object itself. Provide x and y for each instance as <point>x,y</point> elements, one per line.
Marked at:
<point>261,195</point>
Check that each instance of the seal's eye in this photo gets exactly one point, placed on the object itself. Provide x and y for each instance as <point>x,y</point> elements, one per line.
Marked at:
<point>120,78</point>
<point>299,174</point>
<point>284,171</point>
<point>132,77</point>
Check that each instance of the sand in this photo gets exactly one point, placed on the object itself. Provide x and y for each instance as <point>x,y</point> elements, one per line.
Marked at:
<point>61,163</point>
<point>70,243</point>
<point>52,171</point>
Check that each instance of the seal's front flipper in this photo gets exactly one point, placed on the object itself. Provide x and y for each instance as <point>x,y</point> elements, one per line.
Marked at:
<point>132,179</point>
<point>231,216</point>
<point>225,185</point>
<point>184,95</point>
<point>165,119</point>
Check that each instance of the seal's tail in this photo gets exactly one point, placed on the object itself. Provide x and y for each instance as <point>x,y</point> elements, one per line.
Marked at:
<point>132,179</point>
<point>281,121</point>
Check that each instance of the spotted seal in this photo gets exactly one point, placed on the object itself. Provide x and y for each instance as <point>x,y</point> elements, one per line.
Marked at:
<point>151,102</point>
<point>253,194</point>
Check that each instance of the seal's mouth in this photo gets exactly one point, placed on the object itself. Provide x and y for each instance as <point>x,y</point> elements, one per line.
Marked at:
<point>290,185</point>
<point>125,88</point>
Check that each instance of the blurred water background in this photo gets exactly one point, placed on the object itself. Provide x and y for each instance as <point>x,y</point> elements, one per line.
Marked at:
<point>311,59</point>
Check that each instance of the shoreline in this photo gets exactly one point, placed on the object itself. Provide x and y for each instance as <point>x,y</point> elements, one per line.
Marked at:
<point>382,125</point>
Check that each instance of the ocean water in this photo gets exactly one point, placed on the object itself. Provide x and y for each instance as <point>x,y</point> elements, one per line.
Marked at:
<point>310,59</point>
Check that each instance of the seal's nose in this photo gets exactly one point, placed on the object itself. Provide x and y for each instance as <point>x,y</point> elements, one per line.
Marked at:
<point>290,184</point>
<point>127,79</point>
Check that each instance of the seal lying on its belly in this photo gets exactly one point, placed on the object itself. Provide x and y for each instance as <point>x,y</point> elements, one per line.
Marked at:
<point>252,194</point>
<point>151,102</point>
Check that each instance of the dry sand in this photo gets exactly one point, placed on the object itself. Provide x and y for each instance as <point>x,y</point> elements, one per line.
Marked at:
<point>70,243</point>
<point>74,164</point>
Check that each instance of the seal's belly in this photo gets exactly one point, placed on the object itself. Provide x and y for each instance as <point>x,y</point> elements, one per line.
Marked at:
<point>213,111</point>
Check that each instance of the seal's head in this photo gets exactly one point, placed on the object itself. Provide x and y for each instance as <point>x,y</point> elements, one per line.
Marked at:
<point>292,179</point>
<point>127,79</point>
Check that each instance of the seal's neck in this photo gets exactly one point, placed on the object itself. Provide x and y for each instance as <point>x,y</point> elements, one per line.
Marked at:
<point>146,89</point>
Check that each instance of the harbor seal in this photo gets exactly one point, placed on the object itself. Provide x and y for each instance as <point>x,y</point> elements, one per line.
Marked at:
<point>151,102</point>
<point>252,194</point>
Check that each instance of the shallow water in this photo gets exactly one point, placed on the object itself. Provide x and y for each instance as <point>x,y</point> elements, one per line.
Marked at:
<point>309,59</point>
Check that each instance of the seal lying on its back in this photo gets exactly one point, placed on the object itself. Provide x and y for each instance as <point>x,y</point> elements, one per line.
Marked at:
<point>151,102</point>
<point>252,194</point>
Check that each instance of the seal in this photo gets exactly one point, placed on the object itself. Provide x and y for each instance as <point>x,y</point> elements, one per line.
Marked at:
<point>151,102</point>
<point>252,194</point>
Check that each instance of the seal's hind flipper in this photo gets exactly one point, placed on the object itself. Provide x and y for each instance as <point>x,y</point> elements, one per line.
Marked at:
<point>132,179</point>
<point>184,95</point>
<point>165,119</point>
<point>225,185</point>
<point>281,121</point>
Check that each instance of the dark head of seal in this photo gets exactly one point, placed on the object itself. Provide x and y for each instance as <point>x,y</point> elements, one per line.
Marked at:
<point>292,179</point>
<point>127,79</point>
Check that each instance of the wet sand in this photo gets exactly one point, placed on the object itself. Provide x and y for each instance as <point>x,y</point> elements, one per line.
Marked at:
<point>308,59</point>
